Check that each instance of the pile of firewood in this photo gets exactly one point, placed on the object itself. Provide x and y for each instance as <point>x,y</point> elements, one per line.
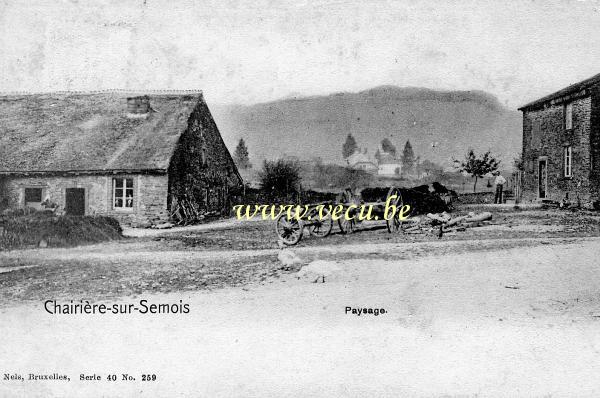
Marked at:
<point>441,223</point>
<point>184,212</point>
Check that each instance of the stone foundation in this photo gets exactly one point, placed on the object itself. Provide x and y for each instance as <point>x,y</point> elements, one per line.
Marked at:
<point>149,202</point>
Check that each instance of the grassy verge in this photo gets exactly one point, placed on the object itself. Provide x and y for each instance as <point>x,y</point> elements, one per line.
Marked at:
<point>101,279</point>
<point>45,229</point>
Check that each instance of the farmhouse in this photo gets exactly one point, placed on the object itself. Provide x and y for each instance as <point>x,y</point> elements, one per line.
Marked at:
<point>561,145</point>
<point>389,165</point>
<point>360,161</point>
<point>134,156</point>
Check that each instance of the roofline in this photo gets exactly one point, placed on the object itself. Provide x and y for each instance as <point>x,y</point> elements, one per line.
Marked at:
<point>106,91</point>
<point>576,87</point>
<point>235,168</point>
<point>76,172</point>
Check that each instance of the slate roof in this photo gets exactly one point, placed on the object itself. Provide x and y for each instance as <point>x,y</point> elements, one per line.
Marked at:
<point>388,158</point>
<point>574,88</point>
<point>90,131</point>
<point>358,157</point>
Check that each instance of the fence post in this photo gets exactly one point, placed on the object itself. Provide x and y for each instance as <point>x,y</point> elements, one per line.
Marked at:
<point>517,189</point>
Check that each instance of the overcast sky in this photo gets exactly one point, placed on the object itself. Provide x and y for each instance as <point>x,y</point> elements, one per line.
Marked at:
<point>256,51</point>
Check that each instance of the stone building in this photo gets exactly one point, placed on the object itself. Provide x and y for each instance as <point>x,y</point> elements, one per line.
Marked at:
<point>561,145</point>
<point>132,156</point>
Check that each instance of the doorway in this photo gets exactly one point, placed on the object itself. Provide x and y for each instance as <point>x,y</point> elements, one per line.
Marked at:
<point>542,178</point>
<point>75,201</point>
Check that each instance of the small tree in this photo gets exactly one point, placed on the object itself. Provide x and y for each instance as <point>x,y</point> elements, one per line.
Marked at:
<point>408,158</point>
<point>280,177</point>
<point>478,166</point>
<point>240,156</point>
<point>518,164</point>
<point>349,146</point>
<point>430,168</point>
<point>417,166</point>
<point>378,156</point>
<point>388,147</point>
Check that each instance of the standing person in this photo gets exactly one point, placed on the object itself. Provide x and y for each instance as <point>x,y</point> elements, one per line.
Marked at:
<point>347,196</point>
<point>499,181</point>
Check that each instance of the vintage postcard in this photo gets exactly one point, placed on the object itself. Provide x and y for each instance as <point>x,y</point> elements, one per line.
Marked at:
<point>357,198</point>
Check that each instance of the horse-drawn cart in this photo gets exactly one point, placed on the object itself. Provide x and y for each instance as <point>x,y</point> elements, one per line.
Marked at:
<point>290,227</point>
<point>350,212</point>
<point>428,214</point>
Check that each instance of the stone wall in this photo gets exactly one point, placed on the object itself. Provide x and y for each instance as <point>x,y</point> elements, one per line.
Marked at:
<point>202,170</point>
<point>544,135</point>
<point>595,145</point>
<point>149,203</point>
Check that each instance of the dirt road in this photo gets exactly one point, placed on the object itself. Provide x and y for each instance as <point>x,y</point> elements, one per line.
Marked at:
<point>522,321</point>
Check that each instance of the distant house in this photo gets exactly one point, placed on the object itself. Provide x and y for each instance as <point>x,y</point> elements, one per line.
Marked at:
<point>132,156</point>
<point>360,161</point>
<point>389,165</point>
<point>561,144</point>
<point>251,177</point>
<point>290,158</point>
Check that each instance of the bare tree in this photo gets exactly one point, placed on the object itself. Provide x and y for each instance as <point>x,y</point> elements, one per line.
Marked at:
<point>478,166</point>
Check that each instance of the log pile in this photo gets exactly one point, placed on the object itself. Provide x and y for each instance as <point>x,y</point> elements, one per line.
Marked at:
<point>184,211</point>
<point>441,223</point>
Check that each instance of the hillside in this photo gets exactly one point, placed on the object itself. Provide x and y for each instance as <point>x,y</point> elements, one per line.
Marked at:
<point>317,126</point>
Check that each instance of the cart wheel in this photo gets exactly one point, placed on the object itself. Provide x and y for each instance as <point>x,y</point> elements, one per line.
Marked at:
<point>288,230</point>
<point>394,225</point>
<point>347,226</point>
<point>320,227</point>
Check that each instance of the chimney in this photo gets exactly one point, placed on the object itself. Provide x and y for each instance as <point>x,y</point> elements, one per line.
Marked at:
<point>138,106</point>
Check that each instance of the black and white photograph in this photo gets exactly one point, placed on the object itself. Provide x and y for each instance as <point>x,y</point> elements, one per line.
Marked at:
<point>296,198</point>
